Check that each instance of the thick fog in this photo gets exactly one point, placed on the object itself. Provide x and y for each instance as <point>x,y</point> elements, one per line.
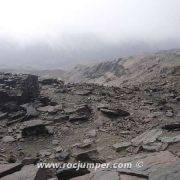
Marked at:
<point>61,33</point>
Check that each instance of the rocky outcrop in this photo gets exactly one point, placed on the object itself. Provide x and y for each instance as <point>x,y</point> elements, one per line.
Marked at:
<point>20,88</point>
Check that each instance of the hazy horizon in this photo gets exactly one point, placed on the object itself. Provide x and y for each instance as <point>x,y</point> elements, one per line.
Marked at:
<point>60,34</point>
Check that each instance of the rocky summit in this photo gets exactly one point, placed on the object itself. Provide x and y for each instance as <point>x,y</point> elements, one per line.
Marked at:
<point>49,120</point>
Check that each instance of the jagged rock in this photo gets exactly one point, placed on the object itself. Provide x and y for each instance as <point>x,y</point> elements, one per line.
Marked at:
<point>169,172</point>
<point>114,112</point>
<point>6,169</point>
<point>68,173</point>
<point>169,139</point>
<point>33,127</point>
<point>31,111</point>
<point>62,156</point>
<point>18,88</point>
<point>154,147</point>
<point>147,137</point>
<point>50,81</point>
<point>29,172</point>
<point>75,118</point>
<point>172,126</point>
<point>8,139</point>
<point>143,167</point>
<point>60,118</point>
<point>50,109</point>
<point>121,146</point>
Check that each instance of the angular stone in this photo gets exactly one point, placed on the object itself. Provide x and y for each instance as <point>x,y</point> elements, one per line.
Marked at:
<point>154,147</point>
<point>147,137</point>
<point>172,126</point>
<point>114,112</point>
<point>8,139</point>
<point>50,109</point>
<point>75,118</point>
<point>6,169</point>
<point>68,173</point>
<point>121,146</point>
<point>33,127</point>
<point>31,111</point>
<point>29,172</point>
<point>169,172</point>
<point>50,81</point>
<point>169,139</point>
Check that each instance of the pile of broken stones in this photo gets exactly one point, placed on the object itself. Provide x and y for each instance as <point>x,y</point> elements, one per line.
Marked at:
<point>50,121</point>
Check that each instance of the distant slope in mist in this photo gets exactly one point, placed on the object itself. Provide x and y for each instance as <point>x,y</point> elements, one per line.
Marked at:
<point>71,50</point>
<point>132,70</point>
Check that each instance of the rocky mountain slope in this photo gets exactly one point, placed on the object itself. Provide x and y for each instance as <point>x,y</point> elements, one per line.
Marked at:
<point>133,70</point>
<point>52,121</point>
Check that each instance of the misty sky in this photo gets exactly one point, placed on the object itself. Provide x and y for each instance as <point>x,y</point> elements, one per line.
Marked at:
<point>64,25</point>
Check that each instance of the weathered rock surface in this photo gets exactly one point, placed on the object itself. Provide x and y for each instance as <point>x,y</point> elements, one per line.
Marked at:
<point>6,169</point>
<point>146,137</point>
<point>68,173</point>
<point>20,88</point>
<point>114,112</point>
<point>29,172</point>
<point>33,127</point>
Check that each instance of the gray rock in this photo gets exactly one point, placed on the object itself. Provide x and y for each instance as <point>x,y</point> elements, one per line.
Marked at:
<point>33,127</point>
<point>169,172</point>
<point>31,111</point>
<point>6,169</point>
<point>120,146</point>
<point>169,139</point>
<point>29,172</point>
<point>8,139</point>
<point>147,137</point>
<point>154,147</point>
<point>68,173</point>
<point>114,112</point>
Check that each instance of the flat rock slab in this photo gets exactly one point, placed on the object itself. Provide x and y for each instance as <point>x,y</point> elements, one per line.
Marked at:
<point>172,126</point>
<point>149,136</point>
<point>121,146</point>
<point>153,164</point>
<point>8,139</point>
<point>6,169</point>
<point>169,139</point>
<point>169,172</point>
<point>33,127</point>
<point>114,112</point>
<point>29,172</point>
<point>50,109</point>
<point>68,173</point>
